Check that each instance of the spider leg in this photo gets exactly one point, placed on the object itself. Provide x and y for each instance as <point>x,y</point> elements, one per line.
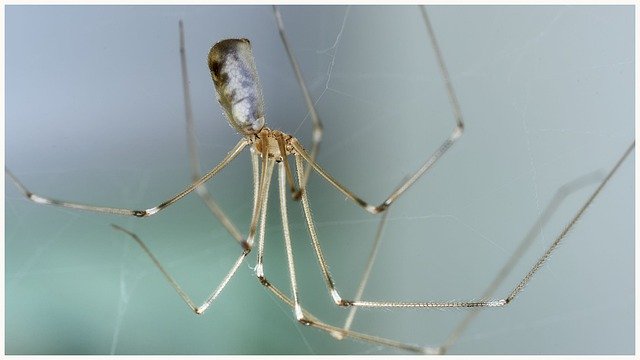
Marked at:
<point>396,193</point>
<point>561,194</point>
<point>193,152</point>
<point>454,304</point>
<point>259,265</point>
<point>259,205</point>
<point>300,313</point>
<point>314,239</point>
<point>262,191</point>
<point>285,159</point>
<point>367,271</point>
<point>317,126</point>
<point>316,123</point>
<point>130,212</point>
<point>197,309</point>
<point>310,320</point>
<point>297,309</point>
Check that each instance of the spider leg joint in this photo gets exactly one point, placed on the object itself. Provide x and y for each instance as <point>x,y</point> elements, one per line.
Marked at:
<point>382,207</point>
<point>260,275</point>
<point>300,315</point>
<point>246,246</point>
<point>338,300</point>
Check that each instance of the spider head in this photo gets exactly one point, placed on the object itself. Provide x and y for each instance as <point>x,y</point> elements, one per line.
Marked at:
<point>238,90</point>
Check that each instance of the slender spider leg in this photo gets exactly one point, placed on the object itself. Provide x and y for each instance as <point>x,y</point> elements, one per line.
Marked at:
<point>205,305</point>
<point>297,309</point>
<point>263,194</point>
<point>263,219</point>
<point>569,226</point>
<point>428,164</point>
<point>453,99</point>
<point>302,315</point>
<point>129,212</point>
<point>396,193</point>
<point>255,170</point>
<point>367,271</point>
<point>317,124</point>
<point>285,159</point>
<point>452,304</point>
<point>314,239</point>
<point>259,205</point>
<point>193,152</point>
<point>311,320</point>
<point>561,194</point>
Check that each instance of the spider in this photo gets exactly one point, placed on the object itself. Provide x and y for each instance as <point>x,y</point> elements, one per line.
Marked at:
<point>273,149</point>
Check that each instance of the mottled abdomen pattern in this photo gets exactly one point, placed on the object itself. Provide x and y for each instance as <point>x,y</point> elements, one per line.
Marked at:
<point>237,85</point>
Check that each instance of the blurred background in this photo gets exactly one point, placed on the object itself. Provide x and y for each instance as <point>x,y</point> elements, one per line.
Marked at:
<point>94,114</point>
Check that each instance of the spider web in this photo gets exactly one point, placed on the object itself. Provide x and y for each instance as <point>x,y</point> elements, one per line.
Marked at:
<point>547,97</point>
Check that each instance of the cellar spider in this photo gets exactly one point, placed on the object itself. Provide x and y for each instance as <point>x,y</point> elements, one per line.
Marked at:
<point>321,239</point>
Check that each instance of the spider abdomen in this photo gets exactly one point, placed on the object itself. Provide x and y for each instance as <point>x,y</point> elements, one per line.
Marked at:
<point>235,77</point>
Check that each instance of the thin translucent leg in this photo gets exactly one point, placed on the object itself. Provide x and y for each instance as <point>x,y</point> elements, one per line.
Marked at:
<point>428,164</point>
<point>562,193</point>
<point>193,152</point>
<point>263,194</point>
<point>568,227</point>
<point>255,170</point>
<point>367,271</point>
<point>297,309</point>
<point>317,124</point>
<point>547,213</point>
<point>129,212</point>
<point>310,320</point>
<point>453,304</point>
<point>453,99</point>
<point>259,205</point>
<point>263,219</point>
<point>314,239</point>
<point>199,309</point>
<point>285,159</point>
<point>395,194</point>
<point>300,313</point>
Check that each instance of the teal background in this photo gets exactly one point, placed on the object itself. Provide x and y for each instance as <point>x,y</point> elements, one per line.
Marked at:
<point>94,114</point>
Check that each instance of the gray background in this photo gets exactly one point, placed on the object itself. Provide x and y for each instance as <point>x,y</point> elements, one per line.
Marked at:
<point>94,113</point>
